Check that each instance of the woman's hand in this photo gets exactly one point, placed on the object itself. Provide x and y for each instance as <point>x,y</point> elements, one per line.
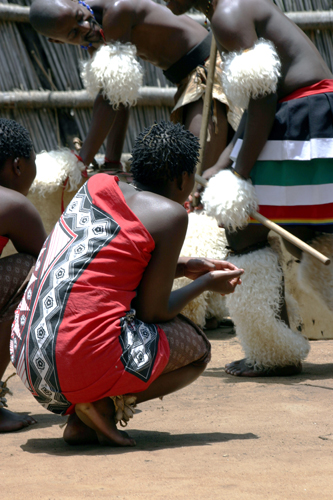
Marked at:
<point>223,282</point>
<point>194,267</point>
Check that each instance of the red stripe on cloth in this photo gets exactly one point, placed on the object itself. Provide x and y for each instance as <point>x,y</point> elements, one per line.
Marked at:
<point>311,214</point>
<point>317,88</point>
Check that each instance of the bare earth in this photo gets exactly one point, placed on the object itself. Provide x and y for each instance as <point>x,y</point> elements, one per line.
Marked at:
<point>220,438</point>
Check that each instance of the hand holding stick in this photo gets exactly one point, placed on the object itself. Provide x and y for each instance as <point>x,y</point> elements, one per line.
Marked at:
<point>279,230</point>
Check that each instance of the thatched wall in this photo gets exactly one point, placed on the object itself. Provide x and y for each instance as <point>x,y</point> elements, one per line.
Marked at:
<point>29,62</point>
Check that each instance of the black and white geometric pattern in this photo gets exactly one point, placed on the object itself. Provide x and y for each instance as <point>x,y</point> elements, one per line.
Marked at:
<point>139,342</point>
<point>75,241</point>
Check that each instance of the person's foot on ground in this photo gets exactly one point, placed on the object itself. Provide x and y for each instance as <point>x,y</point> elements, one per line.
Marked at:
<point>211,324</point>
<point>241,368</point>
<point>99,416</point>
<point>78,433</point>
<point>11,422</point>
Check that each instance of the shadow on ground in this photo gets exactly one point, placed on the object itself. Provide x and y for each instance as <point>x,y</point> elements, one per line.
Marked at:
<point>311,372</point>
<point>146,441</point>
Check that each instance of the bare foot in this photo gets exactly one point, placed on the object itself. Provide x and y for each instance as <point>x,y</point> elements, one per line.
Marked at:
<point>10,422</point>
<point>99,416</point>
<point>240,368</point>
<point>211,324</point>
<point>76,432</point>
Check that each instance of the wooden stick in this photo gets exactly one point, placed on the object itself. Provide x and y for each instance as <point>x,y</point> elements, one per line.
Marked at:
<point>207,104</point>
<point>279,230</point>
<point>205,112</point>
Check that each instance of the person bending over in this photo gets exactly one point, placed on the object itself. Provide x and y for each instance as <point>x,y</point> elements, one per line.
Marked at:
<point>180,47</point>
<point>21,224</point>
<point>284,146</point>
<point>98,327</point>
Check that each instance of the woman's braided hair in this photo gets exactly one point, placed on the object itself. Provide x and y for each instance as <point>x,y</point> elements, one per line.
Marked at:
<point>163,152</point>
<point>14,140</point>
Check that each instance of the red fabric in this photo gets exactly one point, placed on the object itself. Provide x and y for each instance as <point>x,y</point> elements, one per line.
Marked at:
<point>317,88</point>
<point>87,347</point>
<point>3,243</point>
<point>305,214</point>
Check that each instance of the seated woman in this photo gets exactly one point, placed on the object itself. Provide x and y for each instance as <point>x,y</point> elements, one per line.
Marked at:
<point>20,223</point>
<point>98,320</point>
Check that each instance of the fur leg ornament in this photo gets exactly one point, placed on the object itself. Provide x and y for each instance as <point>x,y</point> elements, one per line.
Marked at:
<point>114,71</point>
<point>125,408</point>
<point>313,276</point>
<point>254,307</point>
<point>251,73</point>
<point>4,390</point>
<point>53,168</point>
<point>230,200</point>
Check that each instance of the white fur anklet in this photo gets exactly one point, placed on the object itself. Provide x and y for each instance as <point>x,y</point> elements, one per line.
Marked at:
<point>251,73</point>
<point>314,276</point>
<point>53,168</point>
<point>114,71</point>
<point>267,341</point>
<point>125,408</point>
<point>230,200</point>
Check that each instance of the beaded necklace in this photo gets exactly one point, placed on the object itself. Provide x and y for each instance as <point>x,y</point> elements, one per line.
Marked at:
<point>207,10</point>
<point>84,4</point>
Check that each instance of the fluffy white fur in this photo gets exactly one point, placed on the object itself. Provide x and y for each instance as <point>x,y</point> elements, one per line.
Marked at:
<point>203,239</point>
<point>53,168</point>
<point>230,200</point>
<point>116,72</point>
<point>251,73</point>
<point>314,276</point>
<point>266,340</point>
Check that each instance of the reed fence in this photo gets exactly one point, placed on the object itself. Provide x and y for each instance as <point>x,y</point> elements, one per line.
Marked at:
<point>40,84</point>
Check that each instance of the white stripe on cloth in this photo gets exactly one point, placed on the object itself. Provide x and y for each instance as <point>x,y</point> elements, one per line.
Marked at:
<point>318,194</point>
<point>291,150</point>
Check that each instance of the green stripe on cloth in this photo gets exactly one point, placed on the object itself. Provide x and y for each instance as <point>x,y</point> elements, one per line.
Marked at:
<point>293,173</point>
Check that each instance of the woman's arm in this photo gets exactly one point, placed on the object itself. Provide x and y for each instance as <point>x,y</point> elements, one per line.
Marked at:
<point>155,302</point>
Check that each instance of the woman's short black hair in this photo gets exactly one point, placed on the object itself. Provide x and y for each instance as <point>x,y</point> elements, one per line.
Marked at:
<point>163,152</point>
<point>14,140</point>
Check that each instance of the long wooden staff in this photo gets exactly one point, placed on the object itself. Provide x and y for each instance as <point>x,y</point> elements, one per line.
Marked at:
<point>205,111</point>
<point>279,230</point>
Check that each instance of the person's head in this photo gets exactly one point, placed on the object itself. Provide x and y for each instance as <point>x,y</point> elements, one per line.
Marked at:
<point>65,21</point>
<point>165,153</point>
<point>17,157</point>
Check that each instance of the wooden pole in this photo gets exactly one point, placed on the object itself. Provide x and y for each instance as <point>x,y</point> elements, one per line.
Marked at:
<point>205,112</point>
<point>207,104</point>
<point>304,19</point>
<point>34,99</point>
<point>279,230</point>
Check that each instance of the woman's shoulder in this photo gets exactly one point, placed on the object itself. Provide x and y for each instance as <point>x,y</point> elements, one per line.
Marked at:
<point>11,200</point>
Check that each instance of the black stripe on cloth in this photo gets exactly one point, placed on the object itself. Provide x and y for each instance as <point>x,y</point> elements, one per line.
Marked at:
<point>309,117</point>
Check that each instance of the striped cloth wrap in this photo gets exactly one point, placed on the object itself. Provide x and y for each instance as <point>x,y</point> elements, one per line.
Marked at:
<point>293,176</point>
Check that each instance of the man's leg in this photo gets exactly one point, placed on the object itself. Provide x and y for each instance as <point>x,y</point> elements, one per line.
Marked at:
<point>184,367</point>
<point>15,271</point>
<point>259,310</point>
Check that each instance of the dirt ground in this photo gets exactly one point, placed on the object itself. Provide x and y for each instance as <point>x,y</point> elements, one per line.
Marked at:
<point>222,437</point>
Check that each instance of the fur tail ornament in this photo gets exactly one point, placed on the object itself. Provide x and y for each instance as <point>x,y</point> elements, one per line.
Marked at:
<point>115,71</point>
<point>251,73</point>
<point>205,239</point>
<point>254,307</point>
<point>53,168</point>
<point>230,200</point>
<point>313,276</point>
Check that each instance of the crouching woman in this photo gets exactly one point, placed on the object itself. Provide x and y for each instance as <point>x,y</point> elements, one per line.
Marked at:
<point>99,329</point>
